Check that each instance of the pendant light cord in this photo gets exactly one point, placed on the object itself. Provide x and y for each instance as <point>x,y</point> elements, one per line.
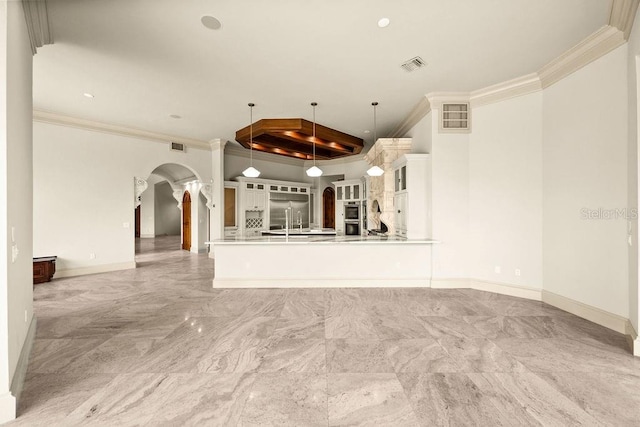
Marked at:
<point>375,124</point>
<point>313,104</point>
<point>251,105</point>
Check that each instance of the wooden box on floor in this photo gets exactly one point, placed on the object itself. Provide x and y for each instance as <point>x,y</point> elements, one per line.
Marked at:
<point>43,269</point>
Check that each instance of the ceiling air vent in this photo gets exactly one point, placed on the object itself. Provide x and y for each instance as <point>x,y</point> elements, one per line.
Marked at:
<point>413,64</point>
<point>176,146</point>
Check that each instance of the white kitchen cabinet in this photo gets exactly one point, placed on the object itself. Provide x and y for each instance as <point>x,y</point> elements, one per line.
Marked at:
<point>350,190</point>
<point>400,205</point>
<point>339,217</point>
<point>255,196</point>
<point>412,197</point>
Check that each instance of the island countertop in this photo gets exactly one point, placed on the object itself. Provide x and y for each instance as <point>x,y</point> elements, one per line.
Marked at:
<point>319,239</point>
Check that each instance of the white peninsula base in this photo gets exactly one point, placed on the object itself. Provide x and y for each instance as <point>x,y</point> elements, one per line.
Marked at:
<point>321,262</point>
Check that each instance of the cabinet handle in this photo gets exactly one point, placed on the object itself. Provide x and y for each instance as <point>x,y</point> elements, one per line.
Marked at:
<point>399,211</point>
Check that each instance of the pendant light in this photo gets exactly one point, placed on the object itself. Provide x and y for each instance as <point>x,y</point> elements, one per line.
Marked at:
<point>314,171</point>
<point>251,172</point>
<point>375,170</point>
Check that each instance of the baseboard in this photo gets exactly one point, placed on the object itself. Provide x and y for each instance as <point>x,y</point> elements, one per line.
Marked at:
<point>507,289</point>
<point>7,407</point>
<point>324,283</point>
<point>103,268</point>
<point>495,287</point>
<point>17,383</point>
<point>451,283</point>
<point>593,314</point>
<point>147,236</point>
<point>634,340</point>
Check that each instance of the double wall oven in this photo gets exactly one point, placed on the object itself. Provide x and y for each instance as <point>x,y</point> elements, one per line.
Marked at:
<point>352,218</point>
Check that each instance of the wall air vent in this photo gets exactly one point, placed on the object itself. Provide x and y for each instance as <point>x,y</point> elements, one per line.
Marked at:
<point>413,64</point>
<point>455,117</point>
<point>176,146</point>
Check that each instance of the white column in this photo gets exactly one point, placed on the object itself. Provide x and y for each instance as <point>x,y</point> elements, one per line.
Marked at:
<point>16,206</point>
<point>217,173</point>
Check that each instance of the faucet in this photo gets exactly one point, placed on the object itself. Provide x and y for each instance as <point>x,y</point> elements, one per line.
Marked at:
<point>300,220</point>
<point>286,222</point>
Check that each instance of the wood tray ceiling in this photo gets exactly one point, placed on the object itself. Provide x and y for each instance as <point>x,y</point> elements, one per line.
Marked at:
<point>294,138</point>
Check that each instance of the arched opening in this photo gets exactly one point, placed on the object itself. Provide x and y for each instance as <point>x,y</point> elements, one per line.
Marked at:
<point>165,224</point>
<point>186,221</point>
<point>329,208</point>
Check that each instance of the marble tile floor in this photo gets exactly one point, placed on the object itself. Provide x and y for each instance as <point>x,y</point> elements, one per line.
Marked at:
<point>158,346</point>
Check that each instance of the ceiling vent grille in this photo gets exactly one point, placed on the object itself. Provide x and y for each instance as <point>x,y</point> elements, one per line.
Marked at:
<point>455,117</point>
<point>176,146</point>
<point>413,64</point>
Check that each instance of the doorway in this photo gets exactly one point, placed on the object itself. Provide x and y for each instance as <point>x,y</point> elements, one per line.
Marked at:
<point>329,208</point>
<point>186,221</point>
<point>137,222</point>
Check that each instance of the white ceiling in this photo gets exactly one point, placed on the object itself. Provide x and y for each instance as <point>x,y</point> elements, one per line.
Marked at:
<point>174,173</point>
<point>147,59</point>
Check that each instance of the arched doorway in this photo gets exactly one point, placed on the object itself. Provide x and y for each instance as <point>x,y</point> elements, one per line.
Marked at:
<point>329,208</point>
<point>186,221</point>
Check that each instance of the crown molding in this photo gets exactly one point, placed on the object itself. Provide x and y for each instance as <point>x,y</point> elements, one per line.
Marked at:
<point>217,144</point>
<point>238,151</point>
<point>506,90</point>
<point>436,99</point>
<point>623,13</point>
<point>62,120</point>
<point>417,113</point>
<point>588,50</point>
<point>37,17</point>
<point>339,161</point>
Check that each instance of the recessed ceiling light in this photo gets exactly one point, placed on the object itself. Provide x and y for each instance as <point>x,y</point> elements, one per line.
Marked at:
<point>383,22</point>
<point>210,22</point>
<point>175,116</point>
<point>367,131</point>
<point>88,95</point>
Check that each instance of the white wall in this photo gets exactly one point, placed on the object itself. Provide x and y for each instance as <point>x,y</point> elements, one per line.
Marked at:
<point>450,202</point>
<point>16,277</point>
<point>234,165</point>
<point>167,214</point>
<point>350,168</point>
<point>585,167</point>
<point>83,183</point>
<point>421,135</point>
<point>633,80</point>
<point>203,223</point>
<point>147,207</point>
<point>505,192</point>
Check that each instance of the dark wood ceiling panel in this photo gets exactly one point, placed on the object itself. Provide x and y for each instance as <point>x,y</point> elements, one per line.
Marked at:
<point>294,138</point>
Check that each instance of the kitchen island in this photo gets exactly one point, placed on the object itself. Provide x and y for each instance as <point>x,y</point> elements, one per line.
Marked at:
<point>313,261</point>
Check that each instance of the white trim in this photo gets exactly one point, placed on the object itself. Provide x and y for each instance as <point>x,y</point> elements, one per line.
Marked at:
<point>17,383</point>
<point>147,236</point>
<point>321,283</point>
<point>7,407</point>
<point>622,15</point>
<point>506,90</point>
<point>417,113</point>
<point>238,151</point>
<point>339,161</point>
<point>593,314</point>
<point>507,289</point>
<point>588,50</point>
<point>62,120</point>
<point>103,268</point>
<point>451,283</point>
<point>633,338</point>
<point>37,17</point>
<point>495,287</point>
